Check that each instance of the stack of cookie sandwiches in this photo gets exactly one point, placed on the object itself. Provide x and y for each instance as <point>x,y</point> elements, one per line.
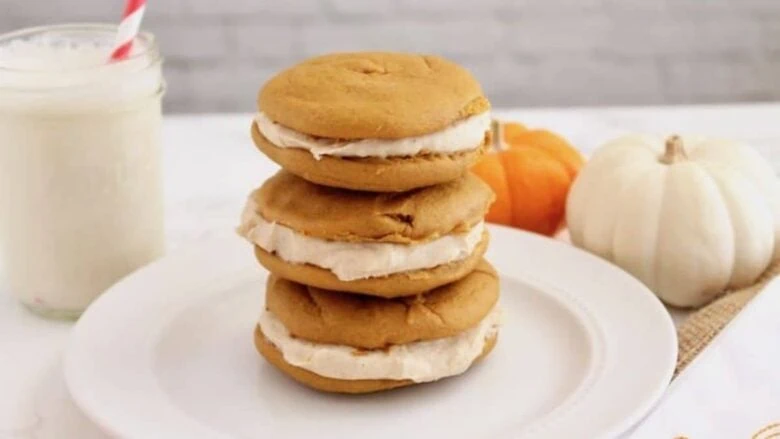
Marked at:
<point>373,230</point>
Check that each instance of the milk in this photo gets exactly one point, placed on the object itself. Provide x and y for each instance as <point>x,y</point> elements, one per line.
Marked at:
<point>80,180</point>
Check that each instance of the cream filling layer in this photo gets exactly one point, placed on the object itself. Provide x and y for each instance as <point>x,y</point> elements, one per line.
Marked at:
<point>355,260</point>
<point>463,135</point>
<point>420,361</point>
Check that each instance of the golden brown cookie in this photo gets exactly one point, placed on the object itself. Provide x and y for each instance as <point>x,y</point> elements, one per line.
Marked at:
<point>392,174</point>
<point>325,384</point>
<point>394,285</point>
<point>367,322</point>
<point>344,215</point>
<point>371,95</point>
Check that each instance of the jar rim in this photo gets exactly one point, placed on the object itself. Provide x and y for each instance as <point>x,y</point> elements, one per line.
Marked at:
<point>147,40</point>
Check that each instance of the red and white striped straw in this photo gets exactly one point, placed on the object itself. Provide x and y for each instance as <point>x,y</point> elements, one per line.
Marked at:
<point>128,29</point>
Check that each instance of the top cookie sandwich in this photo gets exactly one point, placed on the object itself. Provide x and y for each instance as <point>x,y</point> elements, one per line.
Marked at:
<point>381,122</point>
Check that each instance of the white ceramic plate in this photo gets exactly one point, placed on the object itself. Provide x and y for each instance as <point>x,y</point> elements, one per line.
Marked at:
<point>586,351</point>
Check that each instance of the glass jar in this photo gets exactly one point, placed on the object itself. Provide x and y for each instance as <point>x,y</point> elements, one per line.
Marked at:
<point>81,200</point>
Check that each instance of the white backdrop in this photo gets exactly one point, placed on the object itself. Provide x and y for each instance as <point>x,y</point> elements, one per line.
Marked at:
<point>525,52</point>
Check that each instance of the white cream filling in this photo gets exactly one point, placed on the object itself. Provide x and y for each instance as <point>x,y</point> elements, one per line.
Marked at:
<point>420,361</point>
<point>355,260</point>
<point>463,135</point>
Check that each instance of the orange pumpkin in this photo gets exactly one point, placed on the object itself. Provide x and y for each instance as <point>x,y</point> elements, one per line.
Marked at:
<point>530,172</point>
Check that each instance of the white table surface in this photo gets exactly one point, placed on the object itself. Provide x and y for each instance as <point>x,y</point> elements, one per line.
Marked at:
<point>211,165</point>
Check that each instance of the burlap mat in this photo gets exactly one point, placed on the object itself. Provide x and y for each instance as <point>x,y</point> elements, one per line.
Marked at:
<point>703,325</point>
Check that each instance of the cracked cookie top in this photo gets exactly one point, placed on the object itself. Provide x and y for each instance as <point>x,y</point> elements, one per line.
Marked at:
<point>374,323</point>
<point>371,95</point>
<point>342,215</point>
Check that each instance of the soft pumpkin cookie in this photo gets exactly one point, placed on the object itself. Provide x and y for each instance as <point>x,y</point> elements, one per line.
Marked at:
<point>331,213</point>
<point>373,121</point>
<point>401,284</point>
<point>387,245</point>
<point>378,174</point>
<point>349,343</point>
<point>368,322</point>
<point>334,385</point>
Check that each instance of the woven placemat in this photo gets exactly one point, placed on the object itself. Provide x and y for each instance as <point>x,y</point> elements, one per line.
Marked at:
<point>695,333</point>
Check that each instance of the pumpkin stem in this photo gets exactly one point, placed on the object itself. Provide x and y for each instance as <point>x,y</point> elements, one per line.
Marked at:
<point>675,152</point>
<point>497,131</point>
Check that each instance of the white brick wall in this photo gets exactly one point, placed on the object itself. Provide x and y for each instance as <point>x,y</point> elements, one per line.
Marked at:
<point>525,52</point>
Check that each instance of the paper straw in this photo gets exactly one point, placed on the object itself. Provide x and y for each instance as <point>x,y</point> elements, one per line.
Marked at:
<point>128,29</point>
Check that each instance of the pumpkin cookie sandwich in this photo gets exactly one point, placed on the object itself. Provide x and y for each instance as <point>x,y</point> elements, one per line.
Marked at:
<point>380,244</point>
<point>355,344</point>
<point>381,122</point>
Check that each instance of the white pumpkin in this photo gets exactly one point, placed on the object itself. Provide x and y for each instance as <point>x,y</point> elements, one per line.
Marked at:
<point>689,217</point>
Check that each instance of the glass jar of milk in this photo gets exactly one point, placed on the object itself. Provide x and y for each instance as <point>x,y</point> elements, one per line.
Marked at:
<point>80,180</point>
